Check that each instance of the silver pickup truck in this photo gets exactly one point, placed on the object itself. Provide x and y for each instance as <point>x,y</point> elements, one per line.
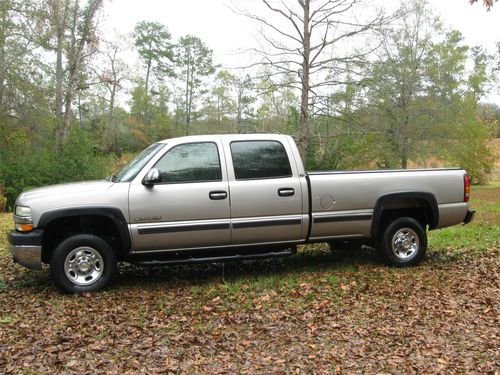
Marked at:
<point>228,197</point>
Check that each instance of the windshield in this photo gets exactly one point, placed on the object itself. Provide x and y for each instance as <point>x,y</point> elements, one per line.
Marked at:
<point>131,170</point>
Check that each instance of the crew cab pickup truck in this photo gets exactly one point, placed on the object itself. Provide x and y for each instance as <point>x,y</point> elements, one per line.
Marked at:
<point>228,197</point>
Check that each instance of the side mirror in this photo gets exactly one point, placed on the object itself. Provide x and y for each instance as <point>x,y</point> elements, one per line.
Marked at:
<point>151,178</point>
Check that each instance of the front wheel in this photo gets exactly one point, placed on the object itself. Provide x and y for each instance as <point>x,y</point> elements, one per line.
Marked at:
<point>83,263</point>
<point>403,243</point>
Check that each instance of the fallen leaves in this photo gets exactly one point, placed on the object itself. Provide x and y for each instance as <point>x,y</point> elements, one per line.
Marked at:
<point>312,313</point>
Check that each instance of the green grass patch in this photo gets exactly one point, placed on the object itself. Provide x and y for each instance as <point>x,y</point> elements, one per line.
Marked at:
<point>474,237</point>
<point>6,319</point>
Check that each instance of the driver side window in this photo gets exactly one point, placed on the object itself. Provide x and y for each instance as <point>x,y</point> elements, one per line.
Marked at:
<point>190,162</point>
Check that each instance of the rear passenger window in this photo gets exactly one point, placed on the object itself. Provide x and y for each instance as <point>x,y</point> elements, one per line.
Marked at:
<point>259,159</point>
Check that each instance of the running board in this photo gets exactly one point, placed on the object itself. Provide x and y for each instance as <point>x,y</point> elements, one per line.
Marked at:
<point>227,258</point>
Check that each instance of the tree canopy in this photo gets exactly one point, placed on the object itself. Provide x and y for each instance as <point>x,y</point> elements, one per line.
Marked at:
<point>355,86</point>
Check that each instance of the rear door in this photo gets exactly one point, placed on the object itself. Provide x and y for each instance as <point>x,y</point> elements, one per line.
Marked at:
<point>266,196</point>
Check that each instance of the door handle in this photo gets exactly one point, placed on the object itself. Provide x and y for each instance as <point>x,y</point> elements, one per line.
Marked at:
<point>217,195</point>
<point>286,192</point>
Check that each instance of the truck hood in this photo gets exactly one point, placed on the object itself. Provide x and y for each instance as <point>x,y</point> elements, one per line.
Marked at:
<point>62,191</point>
<point>100,193</point>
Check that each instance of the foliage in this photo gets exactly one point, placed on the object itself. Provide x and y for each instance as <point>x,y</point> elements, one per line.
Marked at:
<point>487,3</point>
<point>469,144</point>
<point>413,101</point>
<point>152,40</point>
<point>22,168</point>
<point>194,61</point>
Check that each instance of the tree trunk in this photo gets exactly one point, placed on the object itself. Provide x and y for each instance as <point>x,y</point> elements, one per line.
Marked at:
<point>60,28</point>
<point>75,48</point>
<point>405,141</point>
<point>187,109</point>
<point>112,123</point>
<point>404,159</point>
<point>3,38</point>
<point>73,67</point>
<point>304,98</point>
<point>238,111</point>
<point>147,117</point>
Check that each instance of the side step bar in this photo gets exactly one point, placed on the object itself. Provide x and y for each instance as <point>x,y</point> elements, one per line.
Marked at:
<point>226,258</point>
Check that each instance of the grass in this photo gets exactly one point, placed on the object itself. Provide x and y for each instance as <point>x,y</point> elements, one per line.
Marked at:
<point>481,234</point>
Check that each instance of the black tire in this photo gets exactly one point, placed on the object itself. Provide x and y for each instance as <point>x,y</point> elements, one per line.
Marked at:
<point>87,251</point>
<point>403,243</point>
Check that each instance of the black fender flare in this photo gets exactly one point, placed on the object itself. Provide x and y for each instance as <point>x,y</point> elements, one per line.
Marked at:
<point>112,213</point>
<point>430,207</point>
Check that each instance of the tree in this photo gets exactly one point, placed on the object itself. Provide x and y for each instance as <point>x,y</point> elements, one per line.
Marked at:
<point>481,73</point>
<point>244,86</point>
<point>6,25</point>
<point>152,40</point>
<point>221,103</point>
<point>468,147</point>
<point>194,61</point>
<point>276,99</point>
<point>76,40</point>
<point>414,81</point>
<point>487,3</point>
<point>305,39</point>
<point>112,77</point>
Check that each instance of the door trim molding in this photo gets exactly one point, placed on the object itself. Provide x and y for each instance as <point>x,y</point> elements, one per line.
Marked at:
<point>184,227</point>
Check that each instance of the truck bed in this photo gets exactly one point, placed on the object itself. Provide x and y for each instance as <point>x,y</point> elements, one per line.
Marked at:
<point>349,198</point>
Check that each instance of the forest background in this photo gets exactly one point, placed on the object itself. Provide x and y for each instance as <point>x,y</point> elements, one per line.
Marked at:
<point>356,85</point>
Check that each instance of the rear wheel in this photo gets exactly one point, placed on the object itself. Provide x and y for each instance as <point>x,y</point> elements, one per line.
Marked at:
<point>83,263</point>
<point>403,243</point>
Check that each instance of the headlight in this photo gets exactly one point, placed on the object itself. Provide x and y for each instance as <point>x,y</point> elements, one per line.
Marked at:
<point>23,219</point>
<point>23,211</point>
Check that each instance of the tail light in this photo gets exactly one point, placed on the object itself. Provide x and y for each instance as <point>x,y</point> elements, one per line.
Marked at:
<point>466,187</point>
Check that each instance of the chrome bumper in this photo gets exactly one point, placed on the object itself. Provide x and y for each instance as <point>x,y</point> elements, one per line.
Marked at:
<point>26,248</point>
<point>27,256</point>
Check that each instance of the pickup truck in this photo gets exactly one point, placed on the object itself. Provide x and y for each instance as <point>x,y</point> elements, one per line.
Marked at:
<point>228,197</point>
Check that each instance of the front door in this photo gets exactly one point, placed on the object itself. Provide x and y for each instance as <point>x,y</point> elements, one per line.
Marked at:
<point>189,208</point>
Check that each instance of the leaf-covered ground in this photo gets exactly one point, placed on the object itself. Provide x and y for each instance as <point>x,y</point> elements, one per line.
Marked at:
<point>315,312</point>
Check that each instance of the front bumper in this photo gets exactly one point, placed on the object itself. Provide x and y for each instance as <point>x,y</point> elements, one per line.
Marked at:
<point>26,248</point>
<point>469,216</point>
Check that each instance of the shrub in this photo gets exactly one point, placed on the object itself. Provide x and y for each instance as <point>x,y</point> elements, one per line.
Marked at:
<point>23,168</point>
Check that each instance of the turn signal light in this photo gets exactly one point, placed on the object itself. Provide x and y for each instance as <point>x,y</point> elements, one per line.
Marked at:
<point>24,227</point>
<point>466,187</point>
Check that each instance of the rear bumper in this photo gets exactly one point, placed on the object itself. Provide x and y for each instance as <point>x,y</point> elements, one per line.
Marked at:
<point>26,248</point>
<point>469,216</point>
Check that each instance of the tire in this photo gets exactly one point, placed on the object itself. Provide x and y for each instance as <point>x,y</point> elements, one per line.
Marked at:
<point>403,243</point>
<point>83,263</point>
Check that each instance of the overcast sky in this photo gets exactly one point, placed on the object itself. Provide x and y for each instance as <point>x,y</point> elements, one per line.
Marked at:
<point>227,33</point>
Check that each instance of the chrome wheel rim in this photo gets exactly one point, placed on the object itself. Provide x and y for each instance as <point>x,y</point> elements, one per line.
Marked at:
<point>83,265</point>
<point>405,244</point>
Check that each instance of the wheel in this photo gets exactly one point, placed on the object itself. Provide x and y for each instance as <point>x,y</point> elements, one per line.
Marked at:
<point>403,243</point>
<point>83,263</point>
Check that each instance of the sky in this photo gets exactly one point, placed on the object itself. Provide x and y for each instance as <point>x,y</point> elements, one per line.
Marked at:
<point>228,34</point>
